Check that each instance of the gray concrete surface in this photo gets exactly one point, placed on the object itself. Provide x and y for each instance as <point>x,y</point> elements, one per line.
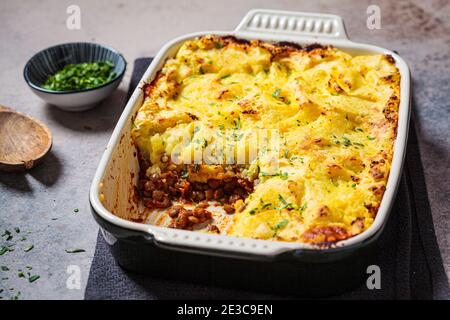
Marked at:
<point>418,30</point>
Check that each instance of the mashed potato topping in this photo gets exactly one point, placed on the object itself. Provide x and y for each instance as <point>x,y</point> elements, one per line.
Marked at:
<point>328,120</point>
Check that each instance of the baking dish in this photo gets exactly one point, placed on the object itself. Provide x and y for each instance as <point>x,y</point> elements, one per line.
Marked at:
<point>303,268</point>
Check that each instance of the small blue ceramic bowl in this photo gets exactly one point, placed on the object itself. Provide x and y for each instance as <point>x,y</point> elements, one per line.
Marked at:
<point>51,60</point>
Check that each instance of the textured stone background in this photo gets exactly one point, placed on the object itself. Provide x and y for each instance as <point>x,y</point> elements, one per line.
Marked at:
<point>418,30</point>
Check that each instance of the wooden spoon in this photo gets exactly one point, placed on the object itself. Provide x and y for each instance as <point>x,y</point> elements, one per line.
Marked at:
<point>24,141</point>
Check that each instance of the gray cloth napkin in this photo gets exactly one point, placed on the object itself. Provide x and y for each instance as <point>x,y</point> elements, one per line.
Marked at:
<point>411,263</point>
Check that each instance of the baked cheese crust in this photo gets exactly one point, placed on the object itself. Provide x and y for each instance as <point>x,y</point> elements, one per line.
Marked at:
<point>335,116</point>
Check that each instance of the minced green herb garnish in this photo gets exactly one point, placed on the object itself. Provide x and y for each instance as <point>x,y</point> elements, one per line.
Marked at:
<point>33,278</point>
<point>347,141</point>
<point>4,250</point>
<point>281,224</point>
<point>276,93</point>
<point>75,250</point>
<point>266,205</point>
<point>185,174</point>
<point>81,76</point>
<point>280,197</point>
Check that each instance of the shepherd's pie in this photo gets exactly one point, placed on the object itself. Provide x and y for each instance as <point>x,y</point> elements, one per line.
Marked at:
<point>329,121</point>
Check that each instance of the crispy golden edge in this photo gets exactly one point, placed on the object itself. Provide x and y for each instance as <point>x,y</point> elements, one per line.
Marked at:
<point>277,50</point>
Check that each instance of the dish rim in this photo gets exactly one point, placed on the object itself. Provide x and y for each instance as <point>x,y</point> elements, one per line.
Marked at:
<point>41,89</point>
<point>198,242</point>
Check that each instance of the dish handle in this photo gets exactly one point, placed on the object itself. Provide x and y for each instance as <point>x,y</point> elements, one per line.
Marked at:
<point>291,24</point>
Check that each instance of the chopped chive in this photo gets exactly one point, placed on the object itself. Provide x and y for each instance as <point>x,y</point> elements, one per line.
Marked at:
<point>76,210</point>
<point>33,278</point>
<point>276,93</point>
<point>284,175</point>
<point>4,268</point>
<point>347,141</point>
<point>185,174</point>
<point>280,197</point>
<point>29,248</point>
<point>4,250</point>
<point>75,250</point>
<point>237,123</point>
<point>370,138</point>
<point>7,234</point>
<point>266,205</point>
<point>281,224</point>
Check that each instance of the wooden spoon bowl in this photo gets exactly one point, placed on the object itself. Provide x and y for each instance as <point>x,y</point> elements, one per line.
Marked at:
<point>24,141</point>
